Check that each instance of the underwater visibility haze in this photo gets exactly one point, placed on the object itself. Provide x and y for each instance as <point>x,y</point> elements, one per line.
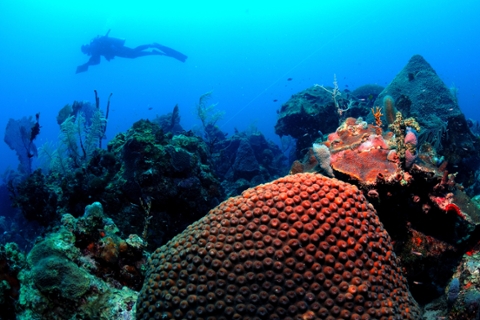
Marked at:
<point>302,160</point>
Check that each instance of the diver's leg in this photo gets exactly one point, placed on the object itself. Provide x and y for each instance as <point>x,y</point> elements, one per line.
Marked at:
<point>136,52</point>
<point>143,47</point>
<point>171,52</point>
<point>148,53</point>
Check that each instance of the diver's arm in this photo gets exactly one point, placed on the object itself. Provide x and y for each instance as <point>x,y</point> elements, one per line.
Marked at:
<point>95,59</point>
<point>82,68</point>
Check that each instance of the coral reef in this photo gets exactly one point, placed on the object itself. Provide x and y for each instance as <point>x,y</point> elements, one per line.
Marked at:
<point>360,151</point>
<point>303,246</point>
<point>170,122</point>
<point>12,260</point>
<point>390,110</point>
<point>420,93</point>
<point>19,135</point>
<point>322,155</point>
<point>307,115</point>
<point>405,138</point>
<point>415,201</point>
<point>172,172</point>
<point>66,278</point>
<point>314,109</point>
<point>462,295</point>
<point>365,96</point>
<point>246,160</point>
<point>35,199</point>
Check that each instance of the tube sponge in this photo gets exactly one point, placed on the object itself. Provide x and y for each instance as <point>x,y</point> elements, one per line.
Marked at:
<point>389,106</point>
<point>322,154</point>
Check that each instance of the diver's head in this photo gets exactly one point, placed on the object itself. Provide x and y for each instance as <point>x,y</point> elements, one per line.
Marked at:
<point>86,49</point>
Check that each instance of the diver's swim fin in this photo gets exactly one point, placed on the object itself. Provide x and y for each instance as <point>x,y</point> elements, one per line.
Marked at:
<point>170,52</point>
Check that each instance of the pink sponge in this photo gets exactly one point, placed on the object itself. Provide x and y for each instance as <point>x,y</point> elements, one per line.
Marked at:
<point>411,137</point>
<point>409,158</point>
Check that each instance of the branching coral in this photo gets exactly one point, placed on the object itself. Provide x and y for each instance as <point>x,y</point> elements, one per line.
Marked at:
<point>335,92</point>
<point>399,128</point>
<point>82,130</point>
<point>377,114</point>
<point>209,116</point>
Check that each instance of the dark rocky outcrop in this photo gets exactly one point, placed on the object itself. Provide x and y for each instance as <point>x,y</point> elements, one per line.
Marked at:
<point>305,116</point>
<point>420,93</point>
<point>245,160</point>
<point>309,114</point>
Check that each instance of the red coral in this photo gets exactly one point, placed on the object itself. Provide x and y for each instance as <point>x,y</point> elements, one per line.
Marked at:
<point>454,207</point>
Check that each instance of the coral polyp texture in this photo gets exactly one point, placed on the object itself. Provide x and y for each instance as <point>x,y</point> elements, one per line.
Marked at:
<point>301,247</point>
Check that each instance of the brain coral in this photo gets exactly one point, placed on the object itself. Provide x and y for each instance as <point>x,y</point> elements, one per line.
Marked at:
<point>301,247</point>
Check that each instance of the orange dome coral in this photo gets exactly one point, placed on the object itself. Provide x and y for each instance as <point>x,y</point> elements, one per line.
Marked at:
<point>301,247</point>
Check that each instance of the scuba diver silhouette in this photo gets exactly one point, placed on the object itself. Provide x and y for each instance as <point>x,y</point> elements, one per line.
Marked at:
<point>114,47</point>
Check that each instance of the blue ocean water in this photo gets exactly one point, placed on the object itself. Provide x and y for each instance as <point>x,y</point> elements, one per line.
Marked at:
<point>253,55</point>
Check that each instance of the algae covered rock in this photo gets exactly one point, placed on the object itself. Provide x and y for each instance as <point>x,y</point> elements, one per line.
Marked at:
<point>172,175</point>
<point>66,277</point>
<point>12,261</point>
<point>55,275</point>
<point>306,115</point>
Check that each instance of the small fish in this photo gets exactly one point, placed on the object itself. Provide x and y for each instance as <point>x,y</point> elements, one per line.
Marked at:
<point>417,282</point>
<point>306,134</point>
<point>275,100</point>
<point>150,108</point>
<point>289,79</point>
<point>417,253</point>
